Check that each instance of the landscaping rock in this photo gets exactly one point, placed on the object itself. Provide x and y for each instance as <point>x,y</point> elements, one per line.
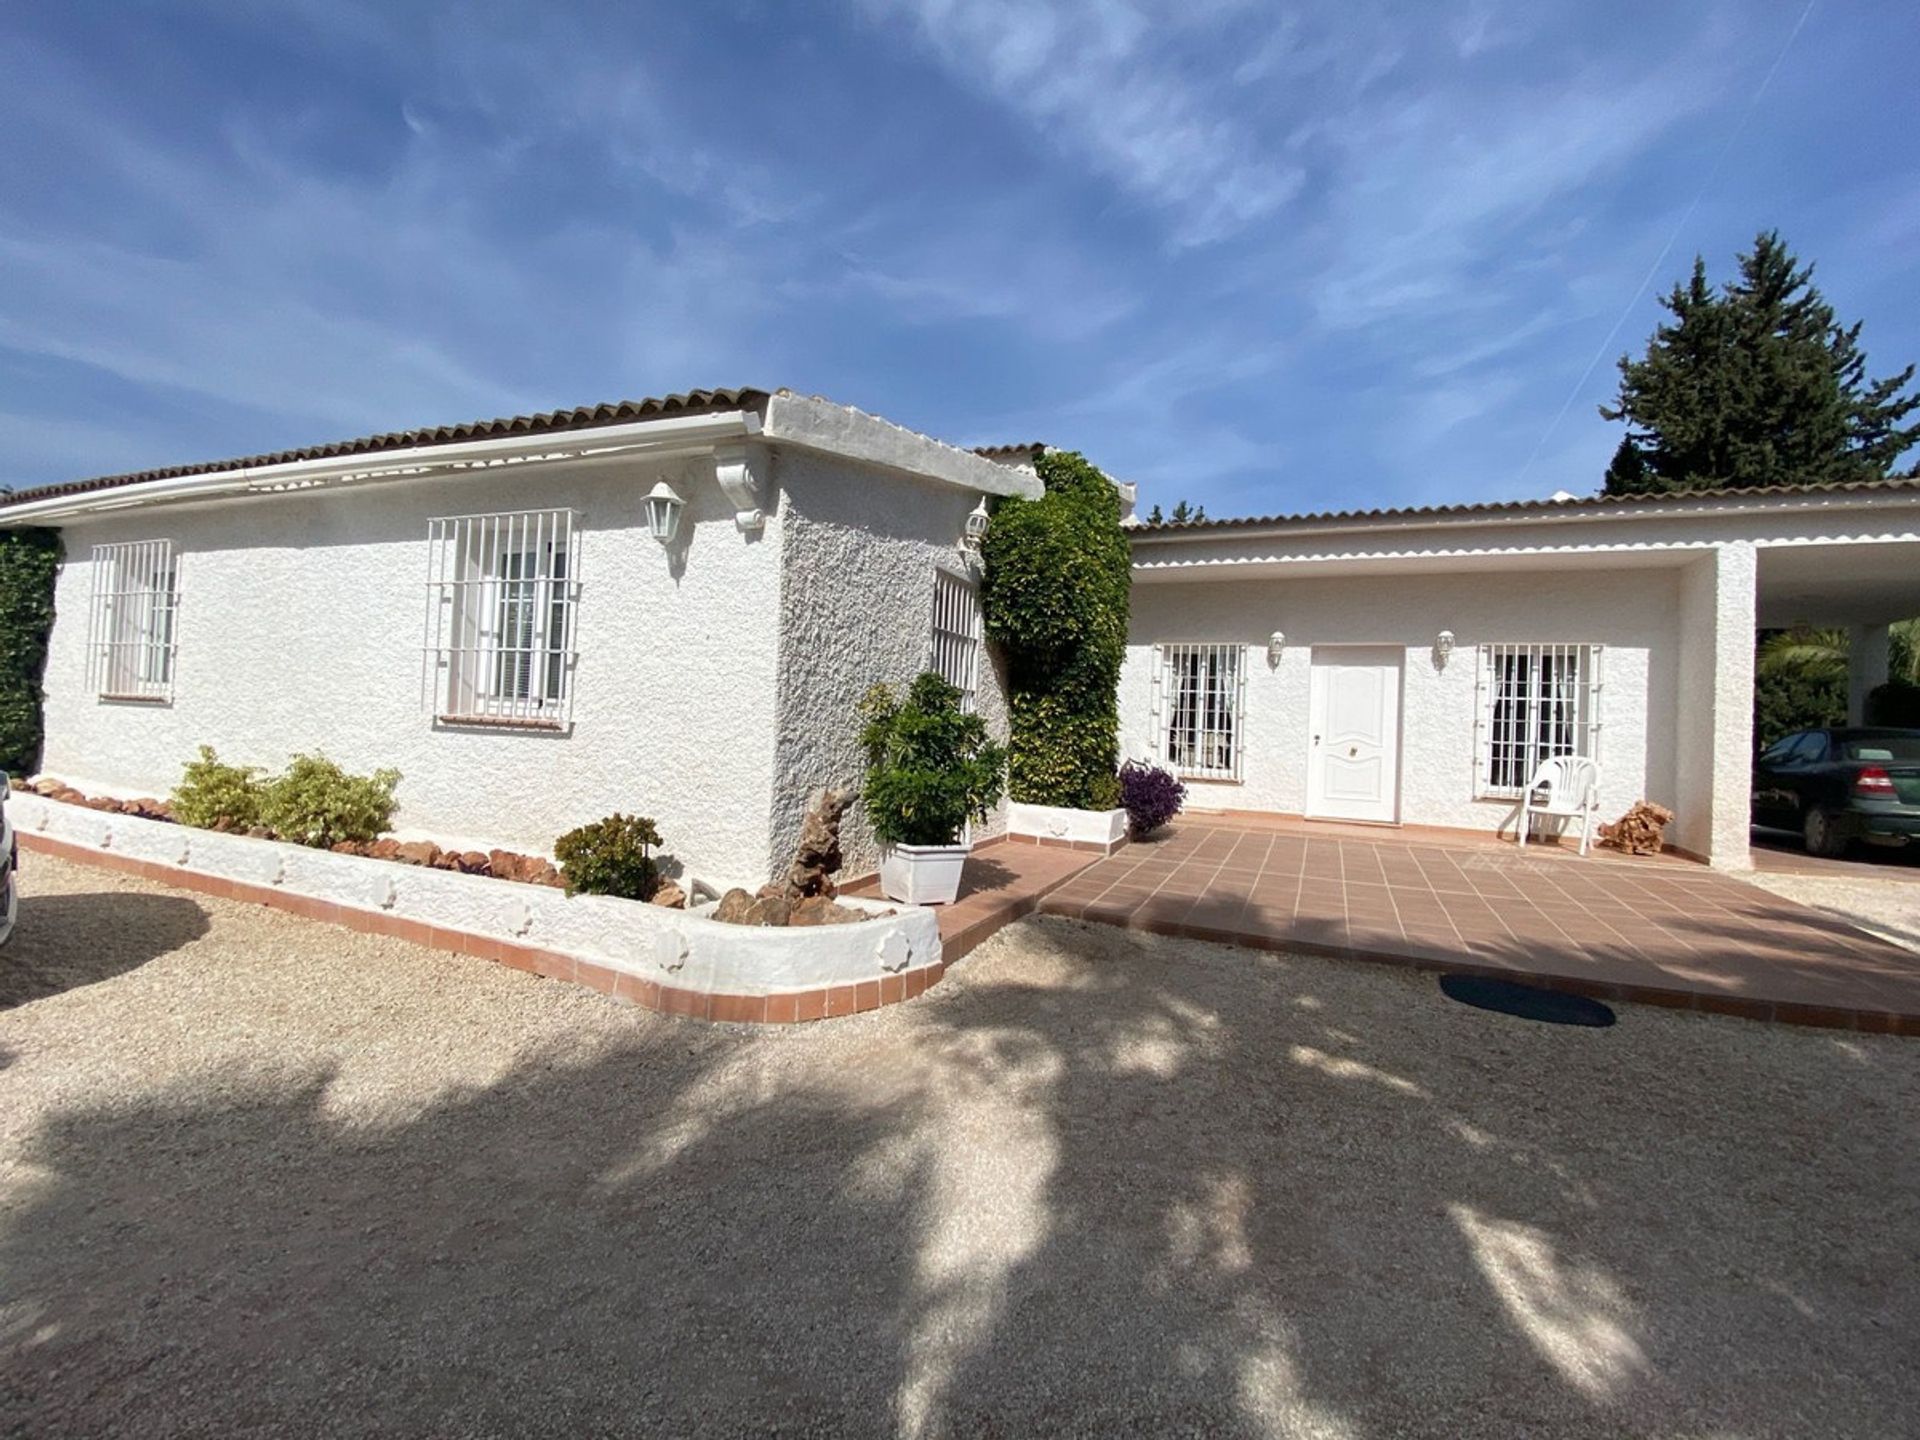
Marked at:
<point>472,862</point>
<point>417,852</point>
<point>769,910</point>
<point>821,910</point>
<point>670,895</point>
<point>733,907</point>
<point>817,857</point>
<point>388,849</point>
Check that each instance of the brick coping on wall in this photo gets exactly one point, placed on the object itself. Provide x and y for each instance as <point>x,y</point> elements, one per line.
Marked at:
<point>778,1009</point>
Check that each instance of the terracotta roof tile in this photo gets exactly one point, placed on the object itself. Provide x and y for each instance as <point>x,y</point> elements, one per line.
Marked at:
<point>1504,507</point>
<point>584,417</point>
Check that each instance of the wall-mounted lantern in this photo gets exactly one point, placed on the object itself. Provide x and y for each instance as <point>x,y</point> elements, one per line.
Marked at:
<point>977,522</point>
<point>1442,648</point>
<point>1276,647</point>
<point>663,512</point>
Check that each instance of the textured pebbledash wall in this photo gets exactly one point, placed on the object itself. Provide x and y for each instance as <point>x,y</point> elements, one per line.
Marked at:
<point>301,624</point>
<point>1631,612</point>
<point>856,605</point>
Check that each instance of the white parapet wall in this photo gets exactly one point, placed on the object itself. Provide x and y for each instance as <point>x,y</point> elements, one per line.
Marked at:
<point>679,948</point>
<point>1090,829</point>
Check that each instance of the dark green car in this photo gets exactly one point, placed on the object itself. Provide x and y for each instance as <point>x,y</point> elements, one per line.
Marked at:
<point>1841,785</point>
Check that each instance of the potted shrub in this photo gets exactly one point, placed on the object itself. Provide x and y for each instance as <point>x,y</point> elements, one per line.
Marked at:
<point>931,769</point>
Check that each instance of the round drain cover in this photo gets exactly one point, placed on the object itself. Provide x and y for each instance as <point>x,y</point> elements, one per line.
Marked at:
<point>1529,1002</point>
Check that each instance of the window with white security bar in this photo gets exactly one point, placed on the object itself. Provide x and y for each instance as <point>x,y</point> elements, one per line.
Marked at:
<point>1536,702</point>
<point>1200,704</point>
<point>501,595</point>
<point>956,634</point>
<point>131,626</point>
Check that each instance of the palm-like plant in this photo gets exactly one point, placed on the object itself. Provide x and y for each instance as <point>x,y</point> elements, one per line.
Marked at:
<point>1820,655</point>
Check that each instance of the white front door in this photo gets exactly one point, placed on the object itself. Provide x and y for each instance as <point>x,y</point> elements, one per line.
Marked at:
<point>1353,761</point>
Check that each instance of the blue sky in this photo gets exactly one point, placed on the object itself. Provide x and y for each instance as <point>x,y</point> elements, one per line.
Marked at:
<point>1266,258</point>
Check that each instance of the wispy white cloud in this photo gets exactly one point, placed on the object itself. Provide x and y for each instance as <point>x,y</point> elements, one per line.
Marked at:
<point>1097,78</point>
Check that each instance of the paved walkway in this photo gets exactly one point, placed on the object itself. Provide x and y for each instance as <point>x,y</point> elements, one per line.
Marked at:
<point>1002,882</point>
<point>1658,932</point>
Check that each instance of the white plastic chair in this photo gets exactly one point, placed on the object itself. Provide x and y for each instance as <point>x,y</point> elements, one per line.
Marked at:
<point>1571,785</point>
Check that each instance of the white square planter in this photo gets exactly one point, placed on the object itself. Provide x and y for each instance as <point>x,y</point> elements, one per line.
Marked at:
<point>1098,829</point>
<point>922,874</point>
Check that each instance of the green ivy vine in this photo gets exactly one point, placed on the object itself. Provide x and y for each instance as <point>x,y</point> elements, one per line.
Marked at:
<point>29,560</point>
<point>1055,600</point>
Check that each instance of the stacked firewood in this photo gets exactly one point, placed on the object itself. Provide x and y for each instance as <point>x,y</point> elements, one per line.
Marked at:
<point>1638,831</point>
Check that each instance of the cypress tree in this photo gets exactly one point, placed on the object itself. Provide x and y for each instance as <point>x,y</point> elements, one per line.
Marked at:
<point>1755,384</point>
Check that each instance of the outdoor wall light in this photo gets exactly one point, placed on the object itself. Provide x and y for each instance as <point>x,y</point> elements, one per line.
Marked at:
<point>1442,648</point>
<point>663,512</point>
<point>1276,646</point>
<point>977,523</point>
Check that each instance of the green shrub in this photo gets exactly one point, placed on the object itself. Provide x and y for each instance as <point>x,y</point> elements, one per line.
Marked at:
<point>211,792</point>
<point>315,802</point>
<point>610,857</point>
<point>29,560</point>
<point>1895,704</point>
<point>930,765</point>
<point>1055,592</point>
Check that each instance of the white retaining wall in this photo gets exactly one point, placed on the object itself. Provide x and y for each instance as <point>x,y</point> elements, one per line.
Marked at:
<point>675,947</point>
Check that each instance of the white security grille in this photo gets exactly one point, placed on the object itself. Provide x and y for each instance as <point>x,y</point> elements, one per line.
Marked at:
<point>1536,702</point>
<point>501,594</point>
<point>956,634</point>
<point>1200,701</point>
<point>131,627</point>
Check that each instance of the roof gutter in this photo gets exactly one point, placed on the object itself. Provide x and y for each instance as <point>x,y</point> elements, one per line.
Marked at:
<point>1229,531</point>
<point>670,435</point>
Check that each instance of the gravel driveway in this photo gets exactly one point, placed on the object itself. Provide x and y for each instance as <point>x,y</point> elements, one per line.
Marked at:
<point>261,1176</point>
<point>1884,903</point>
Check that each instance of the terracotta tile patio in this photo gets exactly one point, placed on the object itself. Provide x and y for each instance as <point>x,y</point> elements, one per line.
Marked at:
<point>1003,881</point>
<point>1662,932</point>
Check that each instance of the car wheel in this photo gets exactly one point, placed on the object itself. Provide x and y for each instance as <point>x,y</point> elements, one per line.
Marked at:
<point>1824,836</point>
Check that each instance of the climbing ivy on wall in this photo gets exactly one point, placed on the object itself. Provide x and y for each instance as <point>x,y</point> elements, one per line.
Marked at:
<point>28,560</point>
<point>1055,602</point>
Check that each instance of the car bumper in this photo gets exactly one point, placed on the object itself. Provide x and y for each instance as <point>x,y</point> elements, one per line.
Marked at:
<point>9,863</point>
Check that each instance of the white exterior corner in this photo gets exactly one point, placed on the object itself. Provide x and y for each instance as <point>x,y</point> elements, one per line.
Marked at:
<point>810,423</point>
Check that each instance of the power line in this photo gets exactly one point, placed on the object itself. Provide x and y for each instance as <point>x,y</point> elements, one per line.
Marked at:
<point>1713,173</point>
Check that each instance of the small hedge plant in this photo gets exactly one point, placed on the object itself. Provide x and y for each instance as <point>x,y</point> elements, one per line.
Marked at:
<point>29,561</point>
<point>312,802</point>
<point>315,802</point>
<point>930,765</point>
<point>1152,796</point>
<point>218,796</point>
<point>610,857</point>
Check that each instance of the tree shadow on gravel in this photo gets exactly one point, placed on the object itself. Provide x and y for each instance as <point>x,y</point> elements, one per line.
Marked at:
<point>64,941</point>
<point>1118,1186</point>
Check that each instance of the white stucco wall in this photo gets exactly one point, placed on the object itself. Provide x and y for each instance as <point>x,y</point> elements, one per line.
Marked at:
<point>1630,612</point>
<point>300,628</point>
<point>1714,728</point>
<point>856,606</point>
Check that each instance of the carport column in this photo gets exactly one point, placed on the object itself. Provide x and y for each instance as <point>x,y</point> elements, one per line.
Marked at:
<point>1868,665</point>
<point>1714,728</point>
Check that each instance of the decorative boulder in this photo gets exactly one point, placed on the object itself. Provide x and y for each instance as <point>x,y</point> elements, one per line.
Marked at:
<point>733,907</point>
<point>816,859</point>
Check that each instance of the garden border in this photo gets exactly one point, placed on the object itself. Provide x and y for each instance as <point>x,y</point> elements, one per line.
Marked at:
<point>674,961</point>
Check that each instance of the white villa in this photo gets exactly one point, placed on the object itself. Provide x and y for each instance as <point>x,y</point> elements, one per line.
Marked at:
<point>670,606</point>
